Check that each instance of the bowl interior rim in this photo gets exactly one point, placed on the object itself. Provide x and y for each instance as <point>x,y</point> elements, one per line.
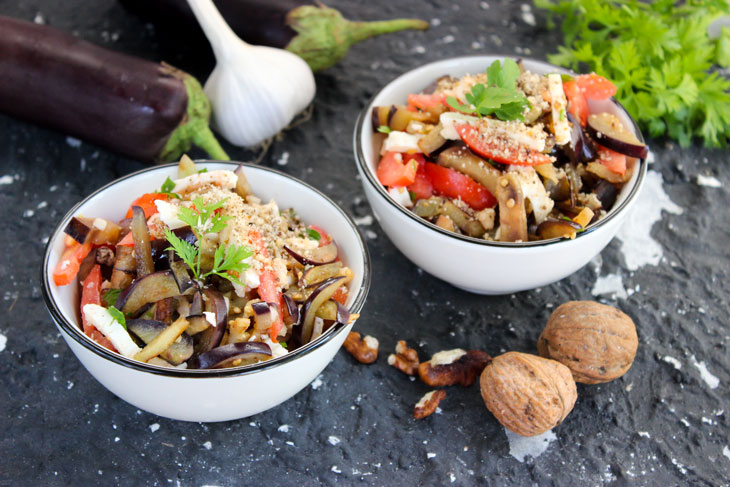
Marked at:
<point>72,330</point>
<point>364,117</point>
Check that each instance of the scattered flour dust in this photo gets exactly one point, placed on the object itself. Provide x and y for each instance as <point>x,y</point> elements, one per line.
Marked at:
<point>610,284</point>
<point>726,452</point>
<point>3,341</point>
<point>317,383</point>
<point>154,427</point>
<point>7,179</point>
<point>673,361</point>
<point>708,377</point>
<point>521,447</point>
<point>637,246</point>
<point>333,440</point>
<point>709,181</point>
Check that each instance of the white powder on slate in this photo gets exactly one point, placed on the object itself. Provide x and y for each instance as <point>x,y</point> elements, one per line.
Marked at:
<point>726,452</point>
<point>317,383</point>
<point>612,284</point>
<point>208,445</point>
<point>637,245</point>
<point>709,378</point>
<point>673,361</point>
<point>154,427</point>
<point>709,181</point>
<point>284,428</point>
<point>7,179</point>
<point>521,447</point>
<point>3,341</point>
<point>333,440</point>
<point>73,142</point>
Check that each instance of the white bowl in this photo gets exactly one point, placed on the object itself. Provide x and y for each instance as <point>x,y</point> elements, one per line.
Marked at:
<point>208,395</point>
<point>473,264</point>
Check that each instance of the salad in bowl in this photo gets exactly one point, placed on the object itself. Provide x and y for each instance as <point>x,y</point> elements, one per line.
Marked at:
<point>507,155</point>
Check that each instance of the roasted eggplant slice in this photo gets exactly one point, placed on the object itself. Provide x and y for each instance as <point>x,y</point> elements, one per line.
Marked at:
<point>147,330</point>
<point>232,355</point>
<point>148,289</point>
<point>609,132</point>
<point>142,245</point>
<point>319,256</point>
<point>211,337</point>
<point>552,228</point>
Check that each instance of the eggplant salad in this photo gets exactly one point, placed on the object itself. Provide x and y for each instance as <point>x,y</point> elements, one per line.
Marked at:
<point>202,274</point>
<point>507,155</point>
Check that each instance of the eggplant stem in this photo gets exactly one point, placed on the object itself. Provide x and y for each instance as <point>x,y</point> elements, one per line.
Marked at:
<point>194,128</point>
<point>324,35</point>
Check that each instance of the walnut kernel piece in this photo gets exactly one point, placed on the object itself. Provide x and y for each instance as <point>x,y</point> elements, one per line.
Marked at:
<point>404,359</point>
<point>428,404</point>
<point>364,350</point>
<point>526,393</point>
<point>451,367</point>
<point>596,342</point>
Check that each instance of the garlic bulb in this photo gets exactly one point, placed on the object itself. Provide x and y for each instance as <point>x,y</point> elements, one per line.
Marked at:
<point>255,91</point>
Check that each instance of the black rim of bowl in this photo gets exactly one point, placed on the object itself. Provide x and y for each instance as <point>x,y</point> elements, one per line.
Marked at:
<point>360,158</point>
<point>77,334</point>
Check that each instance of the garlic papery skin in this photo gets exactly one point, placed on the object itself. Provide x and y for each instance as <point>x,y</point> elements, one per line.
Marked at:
<point>255,91</point>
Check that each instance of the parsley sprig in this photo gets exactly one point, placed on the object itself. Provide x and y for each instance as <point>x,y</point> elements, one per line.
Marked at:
<point>500,97</point>
<point>167,188</point>
<point>227,260</point>
<point>659,55</point>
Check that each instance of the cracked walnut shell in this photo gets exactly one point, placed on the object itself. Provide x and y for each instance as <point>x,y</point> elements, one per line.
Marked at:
<point>596,342</point>
<point>526,393</point>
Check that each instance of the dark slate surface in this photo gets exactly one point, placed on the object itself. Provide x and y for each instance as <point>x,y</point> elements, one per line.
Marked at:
<point>661,424</point>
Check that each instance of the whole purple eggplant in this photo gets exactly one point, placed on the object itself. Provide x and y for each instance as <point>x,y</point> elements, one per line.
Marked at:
<point>146,110</point>
<point>318,34</point>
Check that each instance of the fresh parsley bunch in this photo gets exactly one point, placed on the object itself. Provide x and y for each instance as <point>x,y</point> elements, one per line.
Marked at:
<point>204,219</point>
<point>500,97</point>
<point>659,55</point>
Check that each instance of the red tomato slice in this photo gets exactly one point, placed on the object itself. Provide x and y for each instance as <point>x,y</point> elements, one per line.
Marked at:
<point>68,266</point>
<point>325,238</point>
<point>147,203</point>
<point>500,152</point>
<point>595,87</point>
<point>394,171</point>
<point>91,294</point>
<point>268,286</point>
<point>341,295</point>
<point>453,184</point>
<point>128,240</point>
<point>613,161</point>
<point>424,102</point>
<point>421,186</point>
<point>577,104</point>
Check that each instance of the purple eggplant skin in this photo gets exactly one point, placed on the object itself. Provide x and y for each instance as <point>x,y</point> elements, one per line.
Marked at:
<point>581,147</point>
<point>309,29</point>
<point>319,256</point>
<point>77,230</point>
<point>225,355</point>
<point>177,353</point>
<point>300,335</point>
<point>148,289</point>
<point>211,337</point>
<point>128,105</point>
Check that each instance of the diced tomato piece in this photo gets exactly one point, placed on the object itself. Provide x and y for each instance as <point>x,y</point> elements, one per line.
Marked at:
<point>268,286</point>
<point>421,186</point>
<point>454,184</point>
<point>613,161</point>
<point>341,295</point>
<point>577,104</point>
<point>595,87</point>
<point>68,266</point>
<point>91,294</point>
<point>424,102</point>
<point>394,171</point>
<point>500,152</point>
<point>147,203</point>
<point>325,238</point>
<point>128,240</point>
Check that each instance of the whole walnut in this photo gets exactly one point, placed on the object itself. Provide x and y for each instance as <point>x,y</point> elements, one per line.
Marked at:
<point>596,342</point>
<point>526,393</point>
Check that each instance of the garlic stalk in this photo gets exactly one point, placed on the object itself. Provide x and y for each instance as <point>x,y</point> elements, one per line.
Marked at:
<point>255,91</point>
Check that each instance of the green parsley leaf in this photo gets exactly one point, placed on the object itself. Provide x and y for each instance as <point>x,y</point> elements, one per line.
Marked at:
<point>313,234</point>
<point>384,129</point>
<point>186,251</point>
<point>110,296</point>
<point>660,57</point>
<point>283,344</point>
<point>413,196</point>
<point>167,188</point>
<point>500,98</point>
<point>118,316</point>
<point>230,258</point>
<point>205,169</point>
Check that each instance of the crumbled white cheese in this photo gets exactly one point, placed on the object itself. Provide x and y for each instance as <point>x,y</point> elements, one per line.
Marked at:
<point>223,178</point>
<point>558,102</point>
<point>115,332</point>
<point>276,349</point>
<point>533,191</point>
<point>99,223</point>
<point>210,318</point>
<point>401,196</point>
<point>447,357</point>
<point>401,142</point>
<point>168,214</point>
